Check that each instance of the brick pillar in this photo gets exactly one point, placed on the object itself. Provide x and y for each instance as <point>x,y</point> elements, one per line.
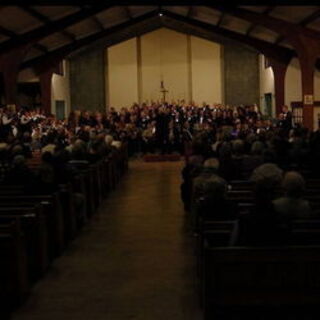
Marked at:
<point>308,50</point>
<point>307,78</point>
<point>10,79</point>
<point>9,66</point>
<point>279,72</point>
<point>45,78</point>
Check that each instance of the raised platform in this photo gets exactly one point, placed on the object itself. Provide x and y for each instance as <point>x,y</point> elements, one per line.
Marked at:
<point>161,157</point>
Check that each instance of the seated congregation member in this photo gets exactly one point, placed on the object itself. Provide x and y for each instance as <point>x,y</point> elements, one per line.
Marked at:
<point>237,158</point>
<point>49,143</point>
<point>65,173</point>
<point>262,225</point>
<point>299,149</point>
<point>189,172</point>
<point>5,164</point>
<point>21,174</point>
<point>252,161</point>
<point>207,171</point>
<point>93,148</point>
<point>79,153</point>
<point>214,204</point>
<point>16,147</point>
<point>46,174</point>
<point>210,168</point>
<point>292,205</point>
<point>227,167</point>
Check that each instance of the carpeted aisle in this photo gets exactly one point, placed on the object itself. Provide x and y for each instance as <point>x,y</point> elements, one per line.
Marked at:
<point>133,261</point>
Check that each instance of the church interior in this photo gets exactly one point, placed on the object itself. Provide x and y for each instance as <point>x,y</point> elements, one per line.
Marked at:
<point>159,160</point>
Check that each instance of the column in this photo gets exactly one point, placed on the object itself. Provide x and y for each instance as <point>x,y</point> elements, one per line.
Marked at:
<point>279,73</point>
<point>139,70</point>
<point>9,66</point>
<point>308,50</point>
<point>46,89</point>
<point>189,65</point>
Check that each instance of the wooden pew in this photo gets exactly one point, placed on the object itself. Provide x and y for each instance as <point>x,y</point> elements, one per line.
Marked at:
<point>34,226</point>
<point>14,283</point>
<point>66,196</point>
<point>243,278</point>
<point>215,233</point>
<point>51,209</point>
<point>63,206</point>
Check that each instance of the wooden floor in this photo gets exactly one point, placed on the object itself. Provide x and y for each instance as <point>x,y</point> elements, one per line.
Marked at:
<point>133,261</point>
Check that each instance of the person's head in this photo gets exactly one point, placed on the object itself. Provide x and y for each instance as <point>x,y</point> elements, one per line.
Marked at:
<point>215,188</point>
<point>293,184</point>
<point>266,179</point>
<point>212,164</point>
<point>17,150</point>
<point>257,148</point>
<point>238,147</point>
<point>108,139</point>
<point>19,161</point>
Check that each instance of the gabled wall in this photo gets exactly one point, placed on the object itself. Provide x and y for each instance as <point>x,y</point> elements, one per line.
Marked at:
<point>190,68</point>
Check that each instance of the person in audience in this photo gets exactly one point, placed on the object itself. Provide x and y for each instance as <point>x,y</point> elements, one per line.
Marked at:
<point>214,204</point>
<point>21,174</point>
<point>237,158</point>
<point>5,165</point>
<point>253,160</point>
<point>262,225</point>
<point>190,171</point>
<point>49,143</point>
<point>292,205</point>
<point>227,168</point>
<point>267,179</point>
<point>208,170</point>
<point>46,174</point>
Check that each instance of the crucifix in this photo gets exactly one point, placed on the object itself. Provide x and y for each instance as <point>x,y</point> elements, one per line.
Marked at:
<point>163,91</point>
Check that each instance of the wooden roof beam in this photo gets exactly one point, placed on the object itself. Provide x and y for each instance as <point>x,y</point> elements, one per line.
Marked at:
<point>276,25</point>
<point>191,12</point>
<point>304,22</point>
<point>94,19</point>
<point>98,23</point>
<point>221,19</point>
<point>40,17</point>
<point>253,26</point>
<point>127,12</point>
<point>63,51</point>
<point>8,33</point>
<point>35,35</point>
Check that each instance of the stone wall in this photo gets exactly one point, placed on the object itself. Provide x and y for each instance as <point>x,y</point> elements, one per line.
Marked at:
<point>87,79</point>
<point>241,75</point>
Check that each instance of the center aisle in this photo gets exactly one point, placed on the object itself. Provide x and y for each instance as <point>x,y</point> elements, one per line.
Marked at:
<point>133,260</point>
